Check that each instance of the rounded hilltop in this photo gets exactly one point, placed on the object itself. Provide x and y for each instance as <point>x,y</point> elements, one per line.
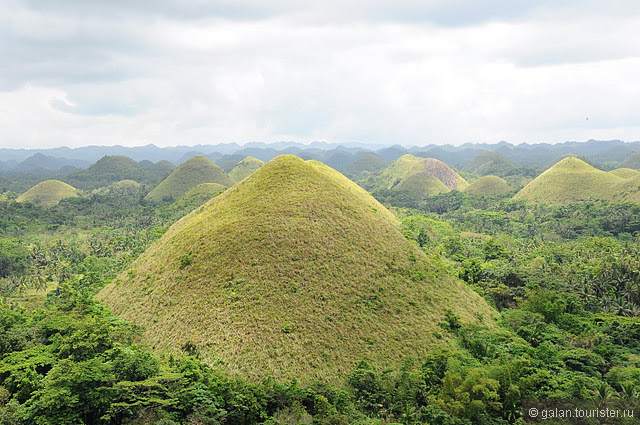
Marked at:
<point>421,176</point>
<point>293,272</point>
<point>489,185</point>
<point>245,168</point>
<point>190,173</point>
<point>573,180</point>
<point>48,193</point>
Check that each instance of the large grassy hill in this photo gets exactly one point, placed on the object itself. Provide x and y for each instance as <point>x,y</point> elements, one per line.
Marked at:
<point>245,168</point>
<point>188,174</point>
<point>407,165</point>
<point>489,185</point>
<point>48,193</point>
<point>572,180</point>
<point>110,169</point>
<point>293,272</point>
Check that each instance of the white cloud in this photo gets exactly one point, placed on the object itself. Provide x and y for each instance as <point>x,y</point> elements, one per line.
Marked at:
<point>341,71</point>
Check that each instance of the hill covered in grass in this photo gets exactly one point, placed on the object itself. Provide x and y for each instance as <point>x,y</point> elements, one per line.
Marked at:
<point>48,193</point>
<point>430,168</point>
<point>294,272</point>
<point>489,185</point>
<point>190,173</point>
<point>110,169</point>
<point>365,165</point>
<point>245,168</point>
<point>199,194</point>
<point>489,163</point>
<point>421,185</point>
<point>632,161</point>
<point>123,188</point>
<point>572,179</point>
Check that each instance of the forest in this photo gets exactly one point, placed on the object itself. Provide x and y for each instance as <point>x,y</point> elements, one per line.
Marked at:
<point>561,281</point>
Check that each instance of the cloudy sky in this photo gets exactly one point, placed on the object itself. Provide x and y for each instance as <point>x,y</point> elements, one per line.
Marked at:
<point>175,72</point>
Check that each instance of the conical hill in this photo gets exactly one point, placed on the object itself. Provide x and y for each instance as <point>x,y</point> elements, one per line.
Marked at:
<point>407,165</point>
<point>489,185</point>
<point>294,272</point>
<point>190,173</point>
<point>570,180</point>
<point>110,169</point>
<point>48,193</point>
<point>245,168</point>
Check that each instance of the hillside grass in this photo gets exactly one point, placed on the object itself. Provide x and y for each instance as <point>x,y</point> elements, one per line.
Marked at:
<point>421,185</point>
<point>199,194</point>
<point>108,170</point>
<point>189,174</point>
<point>573,180</point>
<point>245,168</point>
<point>294,272</point>
<point>48,193</point>
<point>489,185</point>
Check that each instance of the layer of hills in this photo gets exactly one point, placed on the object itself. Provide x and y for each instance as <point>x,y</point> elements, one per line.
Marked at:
<point>48,193</point>
<point>245,168</point>
<point>420,176</point>
<point>189,174</point>
<point>111,169</point>
<point>293,272</point>
<point>489,185</point>
<point>572,180</point>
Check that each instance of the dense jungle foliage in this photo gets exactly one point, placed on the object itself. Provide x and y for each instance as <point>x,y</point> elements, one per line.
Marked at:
<point>565,281</point>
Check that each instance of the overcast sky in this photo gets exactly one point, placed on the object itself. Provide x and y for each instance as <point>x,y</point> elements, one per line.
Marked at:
<point>173,72</point>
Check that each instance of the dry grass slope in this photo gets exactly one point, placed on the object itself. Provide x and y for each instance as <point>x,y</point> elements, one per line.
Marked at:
<point>199,194</point>
<point>48,193</point>
<point>632,161</point>
<point>294,272</point>
<point>572,180</point>
<point>245,168</point>
<point>421,184</point>
<point>489,185</point>
<point>190,173</point>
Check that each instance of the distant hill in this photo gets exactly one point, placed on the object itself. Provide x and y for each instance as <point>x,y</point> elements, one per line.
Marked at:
<point>489,185</point>
<point>198,195</point>
<point>420,185</point>
<point>632,161</point>
<point>188,174</point>
<point>364,165</point>
<point>294,272</point>
<point>489,162</point>
<point>48,193</point>
<point>46,162</point>
<point>245,168</point>
<point>572,180</point>
<point>160,169</point>
<point>429,168</point>
<point>123,188</point>
<point>110,169</point>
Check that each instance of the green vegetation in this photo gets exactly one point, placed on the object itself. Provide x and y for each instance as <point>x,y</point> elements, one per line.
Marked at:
<point>487,163</point>
<point>632,161</point>
<point>364,291</point>
<point>110,169</point>
<point>489,185</point>
<point>297,269</point>
<point>364,166</point>
<point>198,195</point>
<point>48,193</point>
<point>572,180</point>
<point>420,185</point>
<point>245,168</point>
<point>188,174</point>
